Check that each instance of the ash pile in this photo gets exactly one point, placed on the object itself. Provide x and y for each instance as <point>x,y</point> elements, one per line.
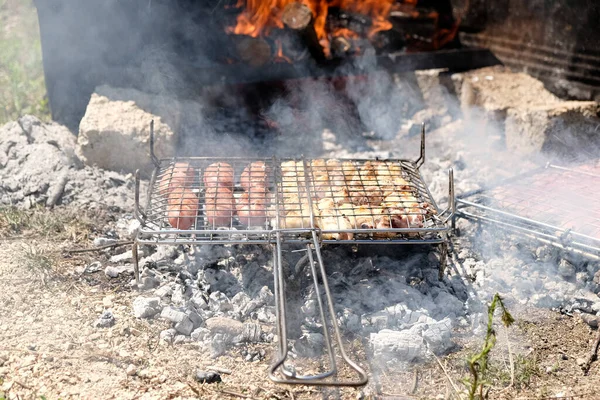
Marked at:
<point>221,296</point>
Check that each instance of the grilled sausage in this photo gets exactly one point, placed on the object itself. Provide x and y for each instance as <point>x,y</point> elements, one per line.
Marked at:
<point>179,175</point>
<point>220,206</point>
<point>219,174</point>
<point>182,208</point>
<point>255,174</point>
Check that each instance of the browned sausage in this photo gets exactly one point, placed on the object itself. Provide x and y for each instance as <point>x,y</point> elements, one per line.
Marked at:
<point>219,174</point>
<point>252,207</point>
<point>182,208</point>
<point>255,174</point>
<point>180,175</point>
<point>220,206</point>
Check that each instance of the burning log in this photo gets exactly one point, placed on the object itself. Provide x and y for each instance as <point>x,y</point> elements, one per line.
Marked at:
<point>298,18</point>
<point>255,52</point>
<point>340,46</point>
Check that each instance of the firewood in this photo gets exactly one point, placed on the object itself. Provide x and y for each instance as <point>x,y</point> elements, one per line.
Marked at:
<point>299,19</point>
<point>340,46</point>
<point>253,51</point>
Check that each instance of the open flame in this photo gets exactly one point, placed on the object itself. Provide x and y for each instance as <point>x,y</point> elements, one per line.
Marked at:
<point>259,17</point>
<point>342,26</point>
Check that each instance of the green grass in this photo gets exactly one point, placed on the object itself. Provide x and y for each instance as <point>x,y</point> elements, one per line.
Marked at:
<point>22,87</point>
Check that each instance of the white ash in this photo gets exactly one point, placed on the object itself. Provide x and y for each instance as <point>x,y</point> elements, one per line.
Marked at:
<point>38,166</point>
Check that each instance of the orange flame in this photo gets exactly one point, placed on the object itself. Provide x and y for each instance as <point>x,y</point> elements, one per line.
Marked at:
<point>259,16</point>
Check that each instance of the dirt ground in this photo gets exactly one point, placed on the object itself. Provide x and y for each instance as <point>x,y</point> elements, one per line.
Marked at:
<point>50,349</point>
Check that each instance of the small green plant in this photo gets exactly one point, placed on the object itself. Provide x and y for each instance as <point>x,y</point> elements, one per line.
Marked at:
<point>478,364</point>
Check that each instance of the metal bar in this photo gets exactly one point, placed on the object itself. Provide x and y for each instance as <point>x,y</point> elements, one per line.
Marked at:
<point>554,240</point>
<point>455,60</point>
<point>421,160</point>
<point>527,220</point>
<point>137,212</point>
<point>155,160</point>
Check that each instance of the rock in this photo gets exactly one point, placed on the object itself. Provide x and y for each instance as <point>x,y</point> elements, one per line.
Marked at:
<point>106,320</point>
<point>493,91</point>
<point>224,325</point>
<point>564,127</point>
<point>207,376</point>
<point>131,370</point>
<point>185,326</point>
<point>114,133</point>
<point>146,307</point>
<point>439,91</point>
<point>172,314</point>
<point>403,345</point>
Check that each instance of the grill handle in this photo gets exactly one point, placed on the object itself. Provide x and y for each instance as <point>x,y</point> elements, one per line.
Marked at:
<point>289,377</point>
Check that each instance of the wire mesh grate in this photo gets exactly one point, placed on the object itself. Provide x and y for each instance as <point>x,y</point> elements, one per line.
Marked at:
<point>553,201</point>
<point>246,199</point>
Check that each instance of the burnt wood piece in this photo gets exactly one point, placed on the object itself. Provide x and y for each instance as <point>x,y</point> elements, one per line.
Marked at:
<point>340,47</point>
<point>255,52</point>
<point>342,19</point>
<point>298,18</point>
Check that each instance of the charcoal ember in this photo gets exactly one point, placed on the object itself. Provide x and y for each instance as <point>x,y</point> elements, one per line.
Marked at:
<point>220,280</point>
<point>172,314</point>
<point>310,344</point>
<point>566,269</point>
<point>219,344</point>
<point>349,321</point>
<point>219,302</point>
<point>200,300</point>
<point>146,307</point>
<point>167,336</point>
<point>376,321</point>
<point>106,320</point>
<point>178,297</point>
<point>181,339</point>
<point>255,276</point>
<point>437,335</point>
<point>195,317</point>
<point>185,326</point>
<point>403,346</point>
<point>164,291</point>
<point>200,334</point>
<point>251,333</point>
<point>266,315</point>
<point>207,377</point>
<point>214,253</point>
